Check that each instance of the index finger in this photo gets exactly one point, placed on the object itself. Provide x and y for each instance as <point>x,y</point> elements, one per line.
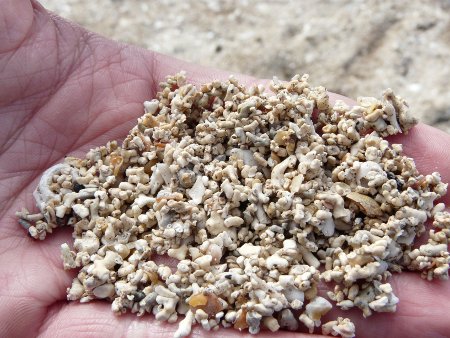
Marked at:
<point>428,146</point>
<point>430,149</point>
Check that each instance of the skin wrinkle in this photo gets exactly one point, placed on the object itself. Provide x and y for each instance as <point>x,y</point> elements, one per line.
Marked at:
<point>28,85</point>
<point>75,145</point>
<point>45,300</point>
<point>52,129</point>
<point>99,114</point>
<point>88,329</point>
<point>20,128</point>
<point>27,312</point>
<point>52,258</point>
<point>38,108</point>
<point>46,156</point>
<point>9,241</point>
<point>95,117</point>
<point>28,122</point>
<point>4,206</point>
<point>12,59</point>
<point>33,176</point>
<point>151,69</point>
<point>17,42</point>
<point>27,308</point>
<point>80,149</point>
<point>20,188</point>
<point>61,60</point>
<point>51,312</point>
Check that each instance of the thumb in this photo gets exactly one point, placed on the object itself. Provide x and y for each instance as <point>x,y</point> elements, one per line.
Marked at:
<point>16,18</point>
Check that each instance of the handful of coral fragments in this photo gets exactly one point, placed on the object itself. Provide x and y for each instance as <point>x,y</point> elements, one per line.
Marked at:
<point>260,197</point>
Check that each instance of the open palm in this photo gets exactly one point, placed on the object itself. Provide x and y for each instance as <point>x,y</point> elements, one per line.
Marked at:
<point>64,90</point>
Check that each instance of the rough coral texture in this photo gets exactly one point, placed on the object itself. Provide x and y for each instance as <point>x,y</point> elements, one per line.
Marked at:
<point>259,196</point>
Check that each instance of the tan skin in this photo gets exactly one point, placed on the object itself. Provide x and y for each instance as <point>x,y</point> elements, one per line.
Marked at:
<point>64,90</point>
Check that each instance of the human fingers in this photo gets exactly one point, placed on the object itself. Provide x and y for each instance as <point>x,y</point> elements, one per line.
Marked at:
<point>430,148</point>
<point>12,30</point>
<point>422,311</point>
<point>420,301</point>
<point>76,320</point>
<point>32,280</point>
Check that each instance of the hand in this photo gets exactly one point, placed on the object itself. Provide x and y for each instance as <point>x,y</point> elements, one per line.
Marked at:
<point>64,90</point>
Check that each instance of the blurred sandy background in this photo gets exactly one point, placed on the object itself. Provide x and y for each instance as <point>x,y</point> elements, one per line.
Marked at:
<point>351,47</point>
